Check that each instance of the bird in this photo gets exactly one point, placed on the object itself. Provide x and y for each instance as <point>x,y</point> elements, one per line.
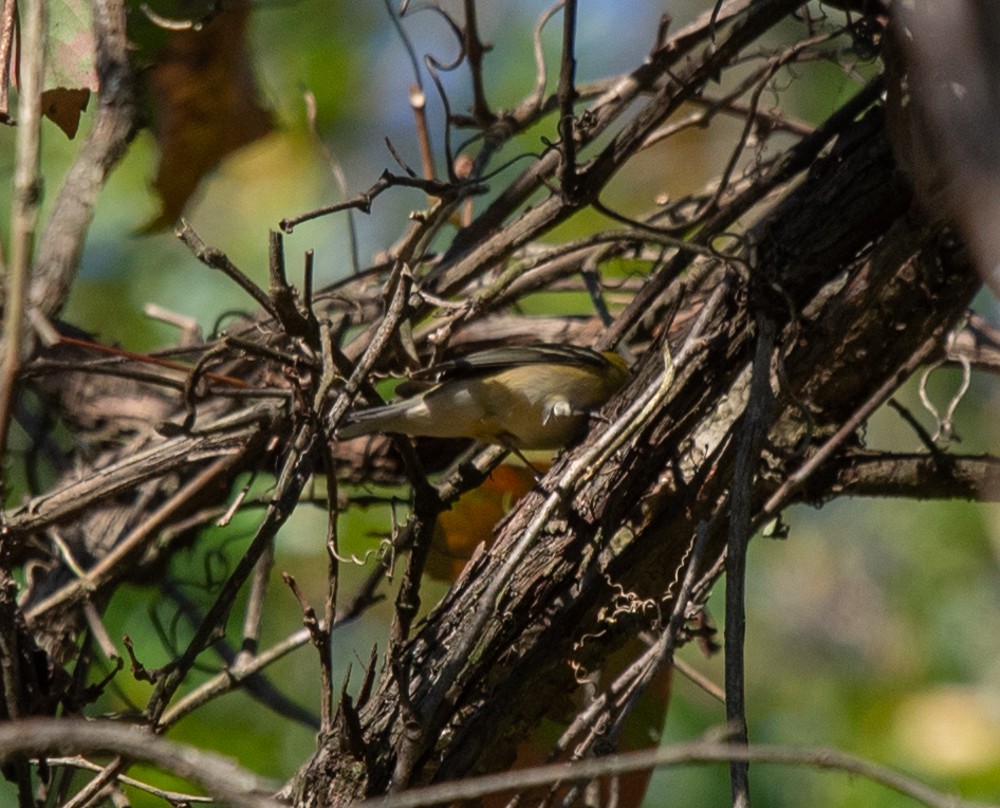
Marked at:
<point>523,397</point>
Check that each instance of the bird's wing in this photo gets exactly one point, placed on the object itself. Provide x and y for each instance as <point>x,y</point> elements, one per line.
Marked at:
<point>506,357</point>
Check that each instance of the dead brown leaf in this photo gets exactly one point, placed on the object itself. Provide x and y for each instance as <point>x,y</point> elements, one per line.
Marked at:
<point>206,106</point>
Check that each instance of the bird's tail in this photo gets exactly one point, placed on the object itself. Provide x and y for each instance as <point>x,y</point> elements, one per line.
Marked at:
<point>388,418</point>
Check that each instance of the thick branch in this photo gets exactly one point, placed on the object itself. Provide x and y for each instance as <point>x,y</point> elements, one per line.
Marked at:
<point>62,241</point>
<point>861,473</point>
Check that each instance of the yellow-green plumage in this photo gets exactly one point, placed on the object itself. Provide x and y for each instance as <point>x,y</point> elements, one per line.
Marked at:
<point>524,397</point>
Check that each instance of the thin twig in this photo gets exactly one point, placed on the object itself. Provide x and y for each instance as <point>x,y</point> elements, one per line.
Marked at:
<point>24,209</point>
<point>337,171</point>
<point>258,687</point>
<point>798,478</point>
<point>295,471</point>
<point>696,677</point>
<point>418,103</point>
<point>177,797</point>
<point>214,258</point>
<point>753,429</point>
<point>232,677</point>
<point>676,755</point>
<point>567,98</point>
<point>113,564</point>
<point>253,614</point>
<point>537,95</point>
<point>363,201</point>
<point>474,52</point>
<point>96,788</point>
<point>229,783</point>
<point>7,24</point>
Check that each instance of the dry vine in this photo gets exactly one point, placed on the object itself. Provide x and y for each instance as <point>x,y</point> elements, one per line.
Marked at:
<point>779,307</point>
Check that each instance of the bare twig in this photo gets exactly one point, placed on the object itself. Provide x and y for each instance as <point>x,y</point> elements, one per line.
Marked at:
<point>538,93</point>
<point>474,52</point>
<point>798,478</point>
<point>363,201</point>
<point>216,259</point>
<point>7,18</point>
<point>113,564</point>
<point>753,429</point>
<point>337,171</point>
<point>296,468</point>
<point>677,755</point>
<point>418,103</point>
<point>96,788</point>
<point>24,210</point>
<point>859,473</point>
<point>78,762</point>
<point>567,98</point>
<point>178,797</point>
<point>231,436</point>
<point>68,736</point>
<point>232,677</point>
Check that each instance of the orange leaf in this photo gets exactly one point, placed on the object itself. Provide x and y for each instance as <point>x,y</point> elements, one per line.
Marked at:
<point>471,520</point>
